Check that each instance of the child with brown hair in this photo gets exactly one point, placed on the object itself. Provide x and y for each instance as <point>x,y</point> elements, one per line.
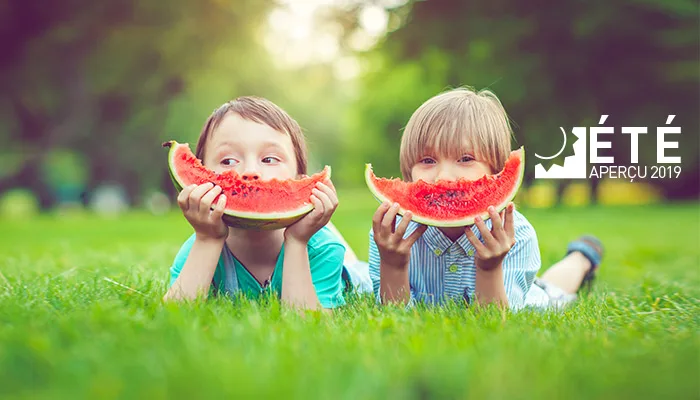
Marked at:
<point>462,133</point>
<point>301,264</point>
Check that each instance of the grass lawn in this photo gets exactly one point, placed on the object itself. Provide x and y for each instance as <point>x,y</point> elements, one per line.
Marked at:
<point>69,330</point>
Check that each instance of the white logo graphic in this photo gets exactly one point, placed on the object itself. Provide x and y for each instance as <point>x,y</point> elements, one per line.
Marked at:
<point>576,166</point>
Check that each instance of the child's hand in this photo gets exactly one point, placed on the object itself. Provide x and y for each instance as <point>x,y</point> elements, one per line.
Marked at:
<point>497,243</point>
<point>393,249</point>
<point>196,202</point>
<point>325,202</point>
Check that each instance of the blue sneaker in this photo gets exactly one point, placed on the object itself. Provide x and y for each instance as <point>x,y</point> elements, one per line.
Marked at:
<point>591,248</point>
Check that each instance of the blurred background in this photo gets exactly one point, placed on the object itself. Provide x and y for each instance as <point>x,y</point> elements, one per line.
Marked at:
<point>90,89</point>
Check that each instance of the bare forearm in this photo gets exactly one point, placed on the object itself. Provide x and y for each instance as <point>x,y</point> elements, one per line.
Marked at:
<point>490,287</point>
<point>196,275</point>
<point>394,286</point>
<point>297,287</point>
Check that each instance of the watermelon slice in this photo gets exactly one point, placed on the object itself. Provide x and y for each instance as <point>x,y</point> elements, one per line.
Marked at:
<point>451,203</point>
<point>250,204</point>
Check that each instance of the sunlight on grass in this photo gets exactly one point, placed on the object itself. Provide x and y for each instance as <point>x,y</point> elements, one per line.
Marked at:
<point>610,192</point>
<point>82,318</point>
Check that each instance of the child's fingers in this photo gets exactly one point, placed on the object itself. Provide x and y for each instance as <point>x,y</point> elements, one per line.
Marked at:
<point>509,225</point>
<point>319,212</point>
<point>208,200</point>
<point>183,197</point>
<point>331,185</point>
<point>197,193</point>
<point>401,229</point>
<point>328,207</point>
<point>485,233</point>
<point>329,190</point>
<point>415,235</point>
<point>497,224</point>
<point>332,194</point>
<point>502,214</point>
<point>318,205</point>
<point>389,220</point>
<point>379,216</point>
<point>326,197</point>
<point>478,246</point>
<point>219,208</point>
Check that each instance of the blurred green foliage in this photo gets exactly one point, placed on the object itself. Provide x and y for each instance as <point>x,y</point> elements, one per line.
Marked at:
<point>99,86</point>
<point>552,64</point>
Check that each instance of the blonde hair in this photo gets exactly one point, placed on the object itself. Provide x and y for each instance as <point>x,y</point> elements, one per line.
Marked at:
<point>451,120</point>
<point>259,110</point>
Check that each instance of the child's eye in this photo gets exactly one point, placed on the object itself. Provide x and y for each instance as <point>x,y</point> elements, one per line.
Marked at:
<point>229,162</point>
<point>270,160</point>
<point>427,160</point>
<point>465,159</point>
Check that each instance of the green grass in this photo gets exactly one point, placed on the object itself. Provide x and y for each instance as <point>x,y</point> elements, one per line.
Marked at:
<point>69,330</point>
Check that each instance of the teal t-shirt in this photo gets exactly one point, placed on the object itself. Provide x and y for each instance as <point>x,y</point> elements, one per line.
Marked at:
<point>326,255</point>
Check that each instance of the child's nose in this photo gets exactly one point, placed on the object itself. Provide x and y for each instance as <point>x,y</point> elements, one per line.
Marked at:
<point>445,173</point>
<point>249,170</point>
<point>249,175</point>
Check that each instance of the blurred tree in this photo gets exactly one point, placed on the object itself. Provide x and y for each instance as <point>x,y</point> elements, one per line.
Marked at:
<point>552,64</point>
<point>109,78</point>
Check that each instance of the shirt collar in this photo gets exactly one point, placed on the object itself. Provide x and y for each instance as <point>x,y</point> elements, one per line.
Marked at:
<point>465,244</point>
<point>436,240</point>
<point>439,243</point>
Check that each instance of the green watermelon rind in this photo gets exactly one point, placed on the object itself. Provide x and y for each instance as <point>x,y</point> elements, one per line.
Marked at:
<point>467,221</point>
<point>243,219</point>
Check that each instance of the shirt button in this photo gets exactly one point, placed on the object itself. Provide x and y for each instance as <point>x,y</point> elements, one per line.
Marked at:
<point>453,268</point>
<point>438,252</point>
<point>470,252</point>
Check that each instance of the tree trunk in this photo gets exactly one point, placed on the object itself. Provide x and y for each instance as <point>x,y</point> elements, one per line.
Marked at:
<point>595,182</point>
<point>29,177</point>
<point>561,188</point>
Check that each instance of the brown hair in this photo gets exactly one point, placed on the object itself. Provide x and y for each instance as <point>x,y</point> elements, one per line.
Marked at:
<point>259,110</point>
<point>450,120</point>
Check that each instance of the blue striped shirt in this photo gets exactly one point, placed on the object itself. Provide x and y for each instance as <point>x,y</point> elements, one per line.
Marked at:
<point>442,270</point>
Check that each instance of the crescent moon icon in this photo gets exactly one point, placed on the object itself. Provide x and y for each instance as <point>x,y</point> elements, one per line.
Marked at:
<point>560,150</point>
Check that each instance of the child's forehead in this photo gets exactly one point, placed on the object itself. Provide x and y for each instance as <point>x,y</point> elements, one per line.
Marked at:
<point>447,146</point>
<point>234,130</point>
<point>233,125</point>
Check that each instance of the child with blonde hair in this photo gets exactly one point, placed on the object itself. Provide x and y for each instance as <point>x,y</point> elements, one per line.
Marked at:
<point>463,133</point>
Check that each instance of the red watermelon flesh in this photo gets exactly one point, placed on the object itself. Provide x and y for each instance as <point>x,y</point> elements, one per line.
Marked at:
<point>451,203</point>
<point>250,204</point>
